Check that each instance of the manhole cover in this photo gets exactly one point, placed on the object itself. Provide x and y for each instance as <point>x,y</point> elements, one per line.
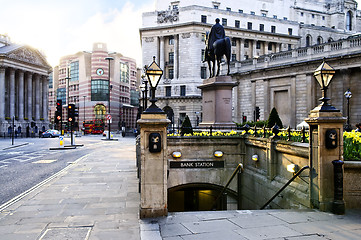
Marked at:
<point>66,233</point>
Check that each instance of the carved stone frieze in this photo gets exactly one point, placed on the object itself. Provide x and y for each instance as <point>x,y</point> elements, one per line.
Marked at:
<point>186,35</point>
<point>26,55</point>
<point>149,39</point>
<point>168,16</point>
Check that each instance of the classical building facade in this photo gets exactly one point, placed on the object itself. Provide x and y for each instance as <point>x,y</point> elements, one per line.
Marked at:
<point>83,79</point>
<point>24,77</point>
<point>175,34</point>
<point>285,81</point>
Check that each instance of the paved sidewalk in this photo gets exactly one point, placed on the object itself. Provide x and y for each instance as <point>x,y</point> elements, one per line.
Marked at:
<point>94,198</point>
<point>254,225</point>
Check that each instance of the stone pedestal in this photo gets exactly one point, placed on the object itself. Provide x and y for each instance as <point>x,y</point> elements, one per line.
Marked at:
<point>321,155</point>
<point>217,101</point>
<point>153,175</point>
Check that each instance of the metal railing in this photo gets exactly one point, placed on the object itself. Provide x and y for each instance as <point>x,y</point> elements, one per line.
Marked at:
<point>288,183</point>
<point>239,168</point>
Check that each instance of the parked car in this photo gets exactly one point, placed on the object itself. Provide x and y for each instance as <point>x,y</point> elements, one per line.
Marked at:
<point>105,133</point>
<point>51,133</point>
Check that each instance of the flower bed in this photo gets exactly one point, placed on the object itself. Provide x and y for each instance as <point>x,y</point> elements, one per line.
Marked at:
<point>352,146</point>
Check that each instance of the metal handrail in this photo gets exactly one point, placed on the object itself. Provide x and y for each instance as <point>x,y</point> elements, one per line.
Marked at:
<point>288,183</point>
<point>239,167</point>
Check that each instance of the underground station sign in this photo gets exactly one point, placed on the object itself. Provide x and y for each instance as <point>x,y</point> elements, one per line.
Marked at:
<point>196,164</point>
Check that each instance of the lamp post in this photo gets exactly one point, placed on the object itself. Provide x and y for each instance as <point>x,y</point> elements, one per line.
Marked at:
<point>84,109</point>
<point>154,73</point>
<point>324,74</point>
<point>142,89</point>
<point>348,95</point>
<point>109,59</point>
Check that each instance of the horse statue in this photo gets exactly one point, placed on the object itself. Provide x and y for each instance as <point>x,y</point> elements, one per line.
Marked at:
<point>220,47</point>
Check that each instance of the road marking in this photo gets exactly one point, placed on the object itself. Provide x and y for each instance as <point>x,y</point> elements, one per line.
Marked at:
<point>45,161</point>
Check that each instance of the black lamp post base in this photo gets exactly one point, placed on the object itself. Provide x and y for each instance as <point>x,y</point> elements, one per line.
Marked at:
<point>153,108</point>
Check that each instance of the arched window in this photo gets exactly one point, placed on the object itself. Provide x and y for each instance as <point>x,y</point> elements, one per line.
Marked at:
<point>308,40</point>
<point>349,21</point>
<point>330,40</point>
<point>319,40</point>
<point>99,111</point>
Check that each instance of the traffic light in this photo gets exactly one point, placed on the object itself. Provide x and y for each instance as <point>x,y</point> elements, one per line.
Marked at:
<point>71,113</point>
<point>257,114</point>
<point>59,111</point>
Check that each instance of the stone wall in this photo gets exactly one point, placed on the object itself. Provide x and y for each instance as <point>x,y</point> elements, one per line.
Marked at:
<point>351,184</point>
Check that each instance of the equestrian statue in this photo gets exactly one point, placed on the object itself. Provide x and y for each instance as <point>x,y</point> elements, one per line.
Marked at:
<point>217,45</point>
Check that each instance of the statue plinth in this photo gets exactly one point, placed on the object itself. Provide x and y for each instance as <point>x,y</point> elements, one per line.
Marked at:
<point>217,101</point>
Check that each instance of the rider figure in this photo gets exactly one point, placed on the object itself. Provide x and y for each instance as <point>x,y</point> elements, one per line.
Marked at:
<point>217,32</point>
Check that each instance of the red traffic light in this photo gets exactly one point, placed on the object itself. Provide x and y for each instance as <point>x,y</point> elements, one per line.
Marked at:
<point>70,119</point>
<point>58,117</point>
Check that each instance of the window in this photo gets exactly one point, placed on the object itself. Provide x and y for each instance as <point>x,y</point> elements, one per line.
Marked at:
<point>175,6</point>
<point>99,90</point>
<point>249,26</point>
<point>285,18</point>
<point>261,27</point>
<point>308,41</point>
<point>246,57</point>
<point>258,45</point>
<point>203,72</point>
<point>224,21</point>
<point>253,13</point>
<point>61,95</point>
<point>51,80</point>
<point>319,40</point>
<point>228,9</point>
<point>234,57</point>
<point>168,91</point>
<point>270,46</point>
<point>170,73</point>
<point>349,21</point>
<point>264,15</point>
<point>183,90</point>
<point>171,57</point>
<point>124,72</point>
<point>215,6</point>
<point>289,47</point>
<point>240,11</point>
<point>323,17</point>
<point>74,71</point>
<point>204,19</point>
<point>203,55</point>
<point>301,14</point>
<point>273,29</point>
<point>237,23</point>
<point>313,15</point>
<point>290,31</point>
<point>275,16</point>
<point>171,40</point>
<point>234,42</point>
<point>99,111</point>
<point>246,43</point>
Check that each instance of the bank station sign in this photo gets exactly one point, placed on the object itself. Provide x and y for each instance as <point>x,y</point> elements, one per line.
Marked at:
<point>196,164</point>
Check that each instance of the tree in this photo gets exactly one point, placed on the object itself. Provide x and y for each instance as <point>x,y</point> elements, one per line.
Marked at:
<point>273,119</point>
<point>186,126</point>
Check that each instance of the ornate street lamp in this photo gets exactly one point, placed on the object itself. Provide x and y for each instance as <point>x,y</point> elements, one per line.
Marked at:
<point>109,86</point>
<point>348,95</point>
<point>154,73</point>
<point>324,74</point>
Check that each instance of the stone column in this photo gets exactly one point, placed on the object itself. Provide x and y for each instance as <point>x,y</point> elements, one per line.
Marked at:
<point>254,48</point>
<point>45,97</point>
<point>37,97</point>
<point>29,79</point>
<point>154,165</point>
<point>265,48</point>
<point>241,52</point>
<point>161,53</point>
<point>2,94</point>
<point>12,92</point>
<point>21,96</point>
<point>175,68</point>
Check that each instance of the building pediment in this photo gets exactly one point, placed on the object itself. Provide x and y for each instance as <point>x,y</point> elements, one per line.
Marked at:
<point>28,55</point>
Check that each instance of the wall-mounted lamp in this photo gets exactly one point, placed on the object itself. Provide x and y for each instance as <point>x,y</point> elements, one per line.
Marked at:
<point>293,168</point>
<point>255,157</point>
<point>176,154</point>
<point>218,154</point>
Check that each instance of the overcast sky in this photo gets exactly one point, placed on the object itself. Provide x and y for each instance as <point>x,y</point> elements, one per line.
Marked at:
<point>62,27</point>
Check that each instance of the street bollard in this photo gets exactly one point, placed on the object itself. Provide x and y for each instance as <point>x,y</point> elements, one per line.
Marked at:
<point>338,202</point>
<point>61,141</point>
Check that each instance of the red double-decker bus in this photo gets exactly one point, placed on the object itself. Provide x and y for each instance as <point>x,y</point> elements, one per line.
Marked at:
<point>93,126</point>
